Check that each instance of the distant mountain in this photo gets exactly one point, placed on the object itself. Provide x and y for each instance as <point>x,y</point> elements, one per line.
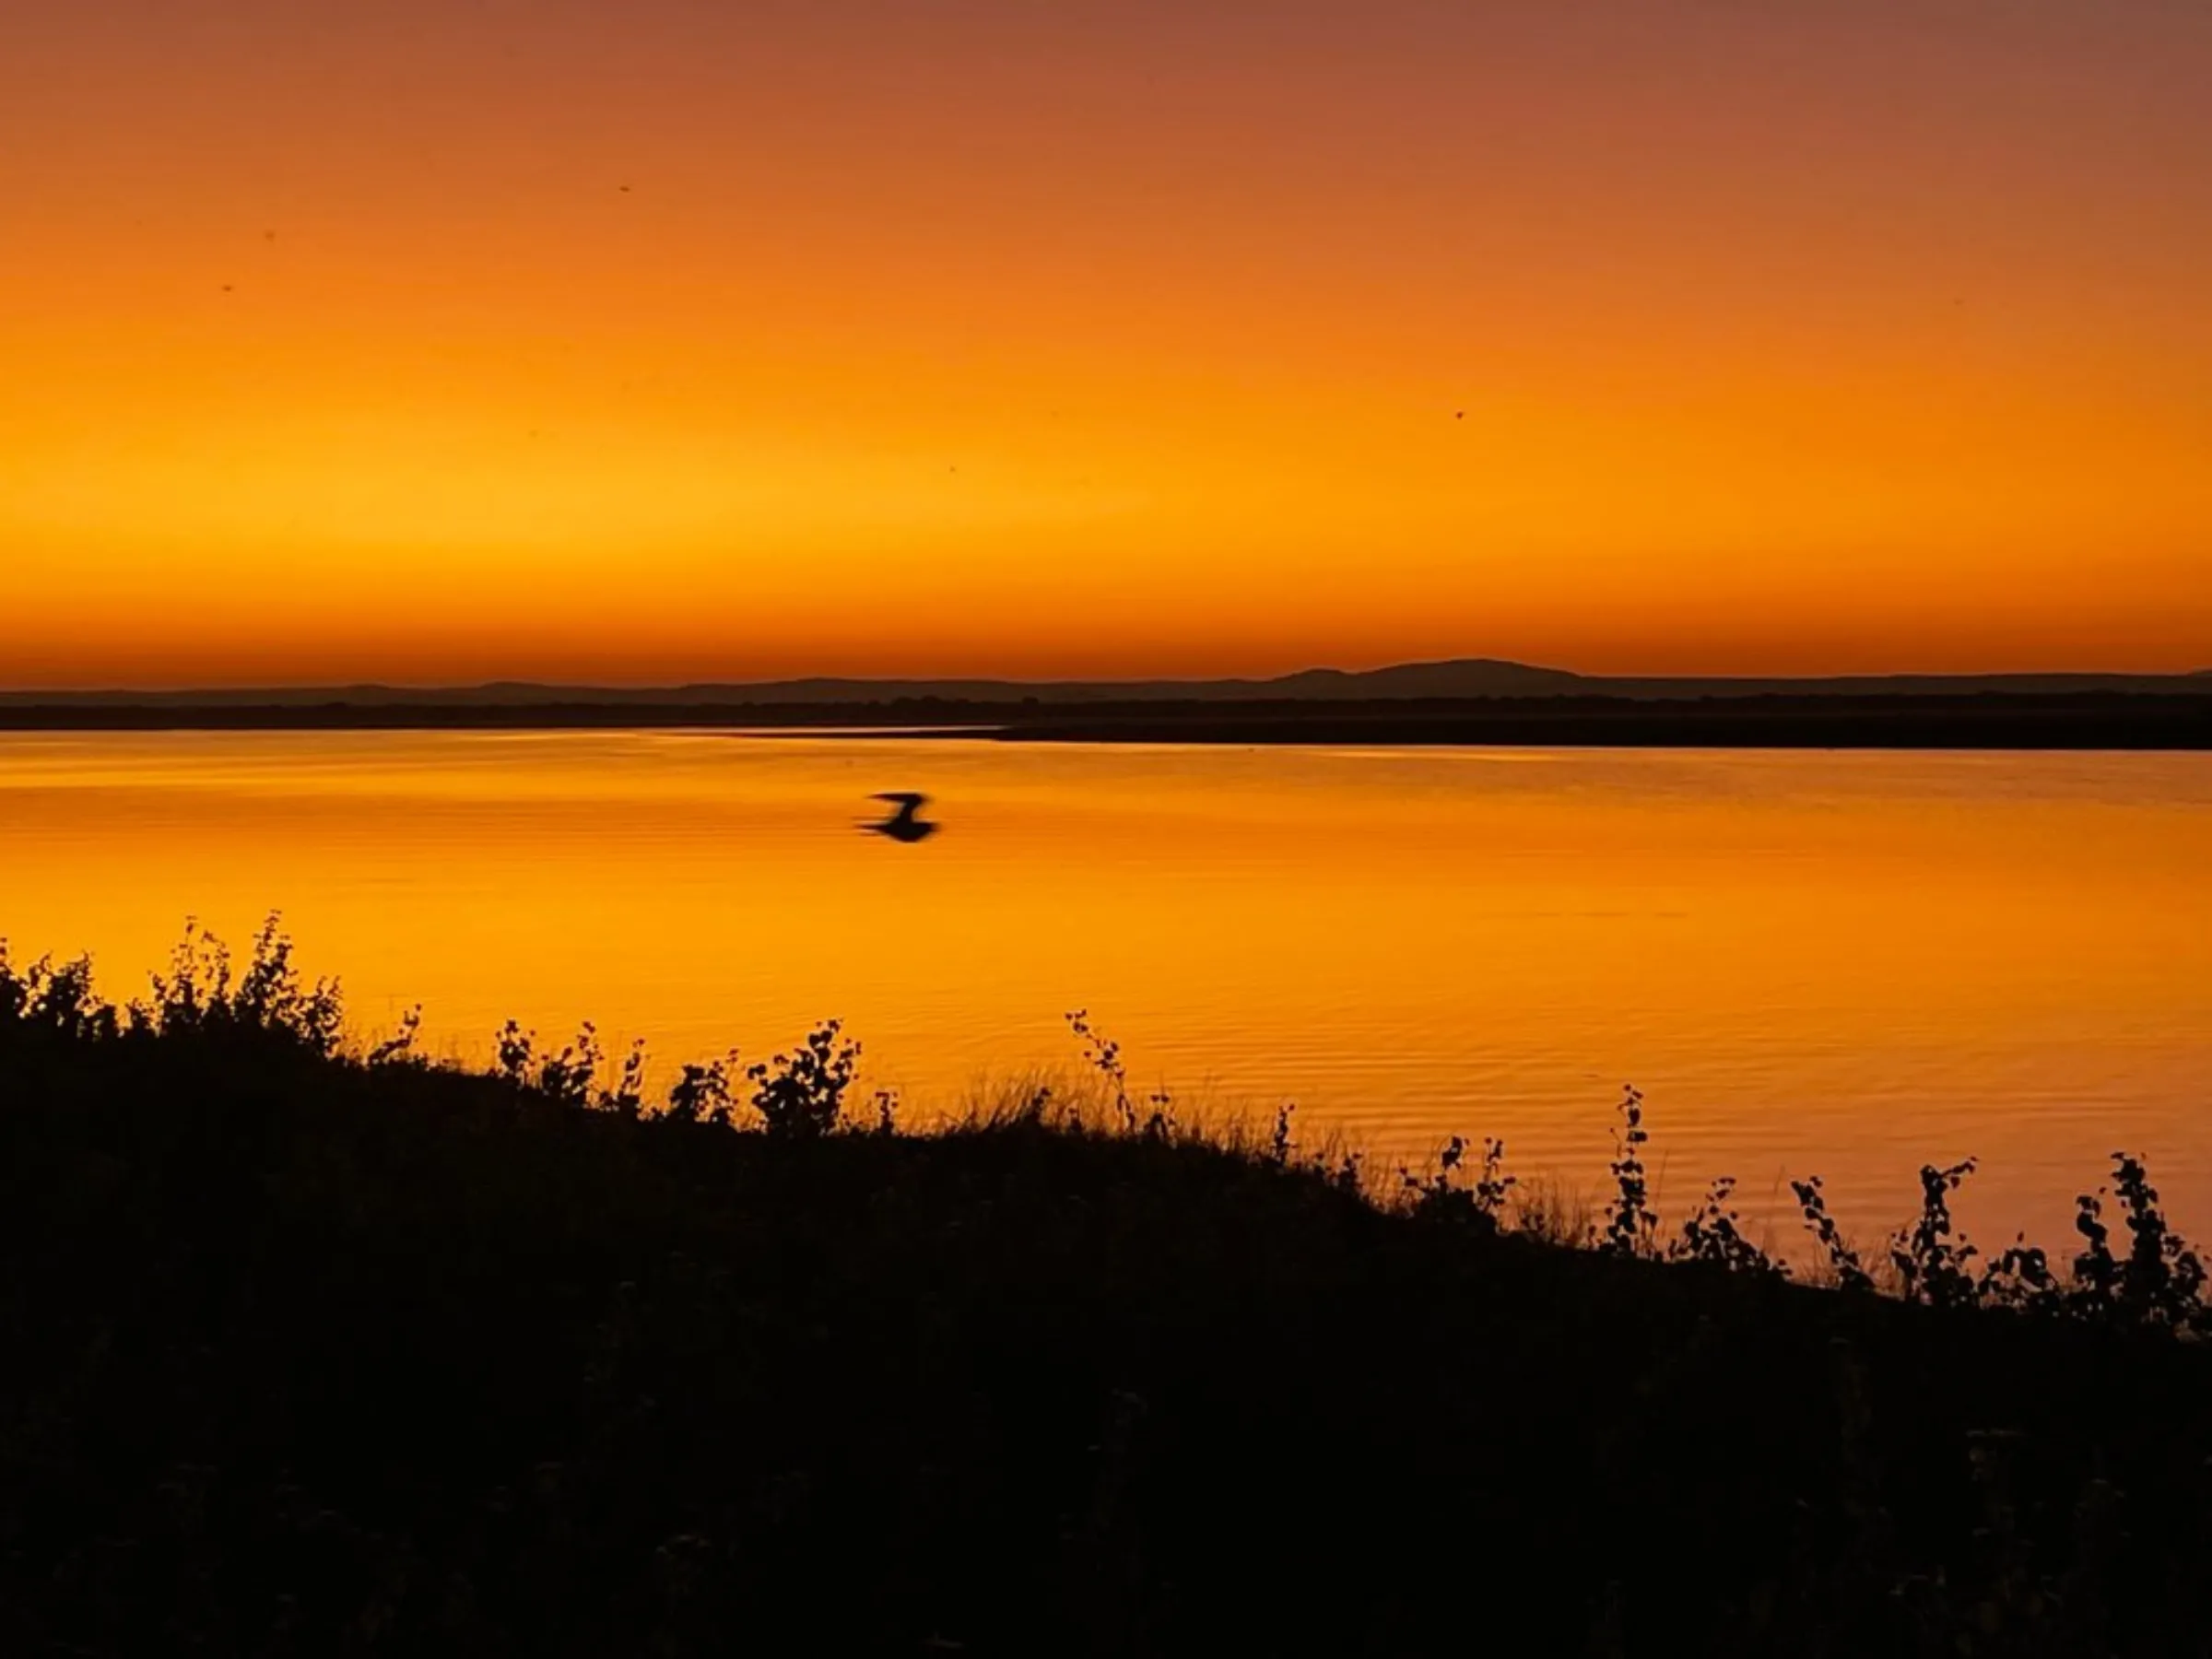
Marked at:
<point>1465,677</point>
<point>1473,677</point>
<point>1468,676</point>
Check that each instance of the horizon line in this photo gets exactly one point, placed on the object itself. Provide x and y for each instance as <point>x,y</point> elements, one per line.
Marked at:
<point>1317,671</point>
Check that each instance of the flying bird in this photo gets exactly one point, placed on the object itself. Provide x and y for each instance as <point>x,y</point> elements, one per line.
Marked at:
<point>906,824</point>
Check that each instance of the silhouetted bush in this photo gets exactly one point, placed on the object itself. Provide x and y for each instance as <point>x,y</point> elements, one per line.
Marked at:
<point>1932,1265</point>
<point>1632,1228</point>
<point>200,996</point>
<point>1840,1261</point>
<point>1714,1234</point>
<point>703,1094</point>
<point>801,1096</point>
<point>50,1000</point>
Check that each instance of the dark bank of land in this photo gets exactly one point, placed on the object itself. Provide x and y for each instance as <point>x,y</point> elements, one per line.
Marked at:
<point>1986,720</point>
<point>1472,701</point>
<point>316,1349</point>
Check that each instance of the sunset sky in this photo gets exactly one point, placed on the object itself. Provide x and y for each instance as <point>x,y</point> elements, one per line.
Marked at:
<point>438,340</point>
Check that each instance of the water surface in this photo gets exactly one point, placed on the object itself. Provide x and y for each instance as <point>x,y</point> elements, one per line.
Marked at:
<point>1844,963</point>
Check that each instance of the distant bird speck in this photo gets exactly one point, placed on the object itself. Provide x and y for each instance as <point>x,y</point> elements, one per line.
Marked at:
<point>906,824</point>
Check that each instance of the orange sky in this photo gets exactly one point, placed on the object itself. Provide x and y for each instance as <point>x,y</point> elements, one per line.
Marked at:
<point>686,339</point>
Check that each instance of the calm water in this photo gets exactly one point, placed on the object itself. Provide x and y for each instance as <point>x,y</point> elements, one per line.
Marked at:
<point>1836,963</point>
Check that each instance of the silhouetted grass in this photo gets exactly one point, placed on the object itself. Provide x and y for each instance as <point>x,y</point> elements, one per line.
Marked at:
<point>314,1349</point>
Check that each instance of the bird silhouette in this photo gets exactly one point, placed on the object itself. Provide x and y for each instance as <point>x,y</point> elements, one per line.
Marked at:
<point>906,824</point>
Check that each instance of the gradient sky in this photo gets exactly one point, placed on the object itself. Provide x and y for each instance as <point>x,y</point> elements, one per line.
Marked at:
<point>692,338</point>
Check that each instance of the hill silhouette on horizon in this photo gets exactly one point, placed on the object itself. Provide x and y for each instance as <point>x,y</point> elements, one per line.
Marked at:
<point>1465,677</point>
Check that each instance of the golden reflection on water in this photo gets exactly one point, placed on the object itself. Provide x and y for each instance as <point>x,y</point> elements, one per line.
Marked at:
<point>1843,963</point>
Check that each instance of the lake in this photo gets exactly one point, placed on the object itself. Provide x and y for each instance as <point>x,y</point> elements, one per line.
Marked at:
<point>1846,964</point>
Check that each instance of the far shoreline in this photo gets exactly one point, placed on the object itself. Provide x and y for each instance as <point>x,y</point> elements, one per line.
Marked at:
<point>2081,720</point>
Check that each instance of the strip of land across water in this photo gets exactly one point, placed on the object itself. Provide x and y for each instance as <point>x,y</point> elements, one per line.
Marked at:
<point>1472,701</point>
<point>1978,720</point>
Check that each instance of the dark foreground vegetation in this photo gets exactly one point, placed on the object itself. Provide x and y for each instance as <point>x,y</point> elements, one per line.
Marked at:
<point>315,1348</point>
<point>1986,720</point>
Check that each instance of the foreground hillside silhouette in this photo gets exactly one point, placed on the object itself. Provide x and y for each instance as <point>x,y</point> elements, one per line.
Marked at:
<point>316,1349</point>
